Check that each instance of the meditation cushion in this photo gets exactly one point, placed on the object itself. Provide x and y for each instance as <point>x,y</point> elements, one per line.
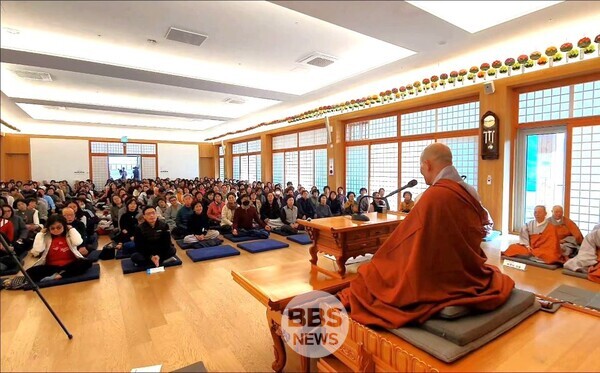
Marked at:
<point>531,262</point>
<point>577,296</point>
<point>262,245</point>
<point>302,239</point>
<point>128,266</point>
<point>568,272</point>
<point>198,245</point>
<point>94,255</point>
<point>454,312</point>
<point>469,328</point>
<point>213,252</point>
<point>14,268</point>
<point>240,238</point>
<point>447,351</point>
<point>91,274</point>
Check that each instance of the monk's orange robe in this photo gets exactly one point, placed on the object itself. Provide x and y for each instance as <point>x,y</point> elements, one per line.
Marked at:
<point>594,271</point>
<point>545,246</point>
<point>568,228</point>
<point>432,260</point>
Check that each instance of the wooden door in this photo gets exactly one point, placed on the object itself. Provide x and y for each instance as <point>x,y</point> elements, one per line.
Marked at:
<point>17,167</point>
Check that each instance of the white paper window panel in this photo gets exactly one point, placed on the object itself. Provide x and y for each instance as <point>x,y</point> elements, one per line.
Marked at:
<point>240,148</point>
<point>320,168</point>
<point>313,137</point>
<point>357,168</point>
<point>115,148</point>
<point>586,99</point>
<point>418,123</point>
<point>374,129</point>
<point>134,148</point>
<point>585,177</point>
<point>383,172</point>
<point>254,146</point>
<point>278,168</point>
<point>291,167</point>
<point>107,147</point>
<point>99,170</point>
<point>149,167</point>
<point>547,104</point>
<point>99,147</point>
<point>222,168</point>
<point>244,167</point>
<point>458,117</point>
<point>258,167</point>
<point>221,150</point>
<point>307,168</point>
<point>285,141</point>
<point>236,168</point>
<point>465,156</point>
<point>410,164</point>
<point>252,168</point>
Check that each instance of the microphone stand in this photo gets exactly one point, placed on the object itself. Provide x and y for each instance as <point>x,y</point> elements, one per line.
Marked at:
<point>360,216</point>
<point>11,252</point>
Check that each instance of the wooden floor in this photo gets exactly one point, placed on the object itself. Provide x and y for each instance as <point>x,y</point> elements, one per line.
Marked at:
<point>191,313</point>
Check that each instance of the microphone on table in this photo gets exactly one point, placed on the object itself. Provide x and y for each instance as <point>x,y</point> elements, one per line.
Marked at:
<point>362,217</point>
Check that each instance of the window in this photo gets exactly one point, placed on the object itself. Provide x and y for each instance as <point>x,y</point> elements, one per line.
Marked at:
<point>443,119</point>
<point>373,129</point>
<point>411,164</point>
<point>133,148</point>
<point>465,153</point>
<point>301,159</point>
<point>585,178</point>
<point>222,168</point>
<point>357,168</point>
<point>383,172</point>
<point>246,166</point>
<point>221,151</point>
<point>579,100</point>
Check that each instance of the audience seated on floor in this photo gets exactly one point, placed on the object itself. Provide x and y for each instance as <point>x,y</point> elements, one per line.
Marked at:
<point>228,212</point>
<point>198,226</point>
<point>569,235</point>
<point>21,241</point>
<point>341,196</point>
<point>412,277</point>
<point>7,231</point>
<point>245,218</point>
<point>323,210</point>
<point>351,206</point>
<point>377,204</point>
<point>314,198</point>
<point>30,217</point>
<point>364,203</point>
<point>407,202</point>
<point>538,240</point>
<point>270,212</point>
<point>588,257</point>
<point>153,245</point>
<point>170,214</point>
<point>183,217</point>
<point>127,224</point>
<point>39,207</point>
<point>215,209</point>
<point>305,207</point>
<point>289,217</point>
<point>56,246</point>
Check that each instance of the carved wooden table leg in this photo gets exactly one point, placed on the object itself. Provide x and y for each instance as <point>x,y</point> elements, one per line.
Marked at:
<point>278,344</point>
<point>314,235</point>
<point>341,262</point>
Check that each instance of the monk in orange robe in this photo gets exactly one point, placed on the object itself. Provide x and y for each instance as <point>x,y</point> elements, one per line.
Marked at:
<point>569,235</point>
<point>538,240</point>
<point>587,259</point>
<point>433,259</point>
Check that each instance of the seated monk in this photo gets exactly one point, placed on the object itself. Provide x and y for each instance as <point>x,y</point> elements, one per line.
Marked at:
<point>569,235</point>
<point>587,257</point>
<point>433,259</point>
<point>538,240</point>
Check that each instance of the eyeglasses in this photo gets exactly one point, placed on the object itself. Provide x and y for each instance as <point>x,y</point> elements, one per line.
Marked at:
<point>56,228</point>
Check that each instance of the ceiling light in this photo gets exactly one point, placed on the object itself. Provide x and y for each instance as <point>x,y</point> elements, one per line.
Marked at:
<point>34,75</point>
<point>318,60</point>
<point>151,41</point>
<point>186,37</point>
<point>455,12</point>
<point>13,31</point>
<point>235,101</point>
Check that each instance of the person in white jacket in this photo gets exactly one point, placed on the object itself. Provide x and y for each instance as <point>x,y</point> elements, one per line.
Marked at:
<point>56,246</point>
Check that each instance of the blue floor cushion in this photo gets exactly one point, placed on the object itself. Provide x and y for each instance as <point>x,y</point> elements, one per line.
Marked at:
<point>128,266</point>
<point>91,274</point>
<point>214,252</point>
<point>13,268</point>
<point>94,255</point>
<point>302,239</point>
<point>233,238</point>
<point>262,245</point>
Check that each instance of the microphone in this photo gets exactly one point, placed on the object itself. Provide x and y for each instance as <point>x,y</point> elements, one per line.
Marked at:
<point>410,184</point>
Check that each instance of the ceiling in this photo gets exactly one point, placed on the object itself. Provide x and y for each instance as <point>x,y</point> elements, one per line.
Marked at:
<point>115,74</point>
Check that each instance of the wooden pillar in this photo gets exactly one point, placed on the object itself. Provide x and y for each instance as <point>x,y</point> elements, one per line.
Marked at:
<point>15,157</point>
<point>228,160</point>
<point>266,159</point>
<point>206,161</point>
<point>336,151</point>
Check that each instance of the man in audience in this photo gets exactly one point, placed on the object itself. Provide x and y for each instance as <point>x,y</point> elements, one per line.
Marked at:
<point>538,240</point>
<point>412,276</point>
<point>305,207</point>
<point>152,241</point>
<point>569,235</point>
<point>289,217</point>
<point>28,191</point>
<point>183,217</point>
<point>49,201</point>
<point>15,194</point>
<point>170,214</point>
<point>6,194</point>
<point>244,218</point>
<point>586,260</point>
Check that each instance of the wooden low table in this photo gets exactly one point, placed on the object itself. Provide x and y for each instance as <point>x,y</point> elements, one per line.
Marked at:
<point>345,238</point>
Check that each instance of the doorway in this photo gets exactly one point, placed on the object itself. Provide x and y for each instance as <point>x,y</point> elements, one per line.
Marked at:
<point>118,162</point>
<point>541,160</point>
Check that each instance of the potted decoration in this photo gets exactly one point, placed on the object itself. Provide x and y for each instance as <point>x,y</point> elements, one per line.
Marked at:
<point>509,62</point>
<point>582,44</point>
<point>542,61</point>
<point>573,54</point>
<point>566,48</point>
<point>426,84</point>
<point>434,80</point>
<point>443,78</point>
<point>453,76</point>
<point>417,86</point>
<point>473,70</point>
<point>522,60</point>
<point>557,57</point>
<point>597,41</point>
<point>504,69</point>
<point>491,72</point>
<point>551,52</point>
<point>496,65</point>
<point>484,67</point>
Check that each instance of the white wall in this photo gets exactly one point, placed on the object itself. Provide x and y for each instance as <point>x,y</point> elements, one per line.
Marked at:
<point>59,159</point>
<point>178,160</point>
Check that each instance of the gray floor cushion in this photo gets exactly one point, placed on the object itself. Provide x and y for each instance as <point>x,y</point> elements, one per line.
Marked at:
<point>469,328</point>
<point>447,351</point>
<point>577,296</point>
<point>568,272</point>
<point>531,262</point>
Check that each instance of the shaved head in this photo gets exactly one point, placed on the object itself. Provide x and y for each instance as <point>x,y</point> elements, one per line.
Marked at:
<point>557,212</point>
<point>539,213</point>
<point>434,159</point>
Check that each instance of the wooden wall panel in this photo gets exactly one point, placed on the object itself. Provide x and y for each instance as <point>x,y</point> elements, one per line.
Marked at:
<point>15,157</point>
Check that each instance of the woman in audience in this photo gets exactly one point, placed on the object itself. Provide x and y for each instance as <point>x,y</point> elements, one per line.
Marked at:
<point>56,245</point>
<point>377,205</point>
<point>270,212</point>
<point>183,217</point>
<point>228,212</point>
<point>7,232</point>
<point>314,197</point>
<point>214,211</point>
<point>39,205</point>
<point>341,197</point>
<point>22,241</point>
<point>289,217</point>
<point>254,201</point>
<point>334,204</point>
<point>116,209</point>
<point>351,206</point>
<point>161,207</point>
<point>198,226</point>
<point>171,213</point>
<point>127,224</point>
<point>407,203</point>
<point>323,210</point>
